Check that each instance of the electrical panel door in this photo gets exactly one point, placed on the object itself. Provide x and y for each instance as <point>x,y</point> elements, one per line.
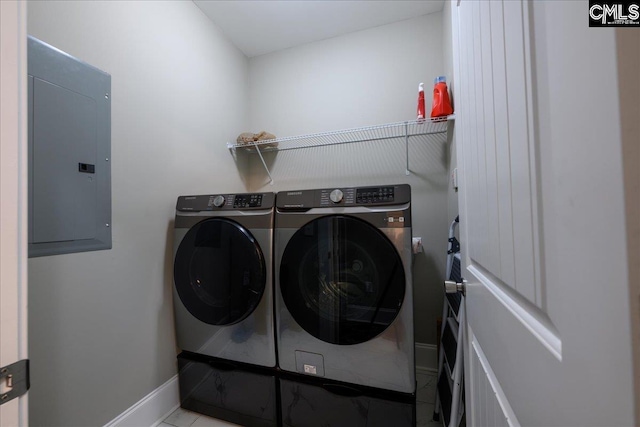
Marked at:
<point>69,153</point>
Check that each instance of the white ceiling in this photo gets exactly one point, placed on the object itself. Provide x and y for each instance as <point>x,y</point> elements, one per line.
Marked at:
<point>259,27</point>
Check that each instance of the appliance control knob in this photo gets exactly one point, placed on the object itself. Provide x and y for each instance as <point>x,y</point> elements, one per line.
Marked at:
<point>336,196</point>
<point>218,201</point>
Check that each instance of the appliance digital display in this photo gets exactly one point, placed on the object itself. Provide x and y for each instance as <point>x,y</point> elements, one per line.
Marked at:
<point>374,195</point>
<point>247,201</point>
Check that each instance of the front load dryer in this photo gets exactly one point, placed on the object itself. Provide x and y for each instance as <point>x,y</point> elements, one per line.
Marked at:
<point>222,276</point>
<point>343,288</point>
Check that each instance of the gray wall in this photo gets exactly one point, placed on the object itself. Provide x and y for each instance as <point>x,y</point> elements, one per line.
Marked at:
<point>101,323</point>
<point>365,78</point>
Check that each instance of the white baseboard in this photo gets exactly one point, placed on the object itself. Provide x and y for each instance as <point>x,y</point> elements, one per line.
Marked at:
<point>426,357</point>
<point>151,409</point>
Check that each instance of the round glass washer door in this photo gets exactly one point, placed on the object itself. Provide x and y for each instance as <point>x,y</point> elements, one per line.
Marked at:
<point>219,272</point>
<point>342,279</point>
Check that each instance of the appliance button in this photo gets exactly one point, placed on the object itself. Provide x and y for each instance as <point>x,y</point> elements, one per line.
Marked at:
<point>218,201</point>
<point>336,196</point>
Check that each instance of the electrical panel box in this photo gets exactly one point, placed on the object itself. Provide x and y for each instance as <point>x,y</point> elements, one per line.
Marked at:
<point>69,153</point>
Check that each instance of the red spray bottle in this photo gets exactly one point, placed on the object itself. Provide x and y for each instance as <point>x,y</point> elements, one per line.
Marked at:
<point>421,107</point>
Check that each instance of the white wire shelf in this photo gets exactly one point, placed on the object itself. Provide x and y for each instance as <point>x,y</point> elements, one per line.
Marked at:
<point>369,133</point>
<point>425,129</point>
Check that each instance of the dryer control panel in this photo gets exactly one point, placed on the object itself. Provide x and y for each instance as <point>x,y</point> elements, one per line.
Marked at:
<point>374,195</point>
<point>247,201</point>
<point>226,202</point>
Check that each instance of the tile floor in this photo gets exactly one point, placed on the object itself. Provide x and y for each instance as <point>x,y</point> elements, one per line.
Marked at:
<point>425,398</point>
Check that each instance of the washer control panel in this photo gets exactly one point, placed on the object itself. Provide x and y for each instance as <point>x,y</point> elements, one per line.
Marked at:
<point>226,202</point>
<point>345,197</point>
<point>357,196</point>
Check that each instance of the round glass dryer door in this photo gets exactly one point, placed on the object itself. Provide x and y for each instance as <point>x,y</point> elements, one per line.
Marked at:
<point>219,272</point>
<point>342,279</point>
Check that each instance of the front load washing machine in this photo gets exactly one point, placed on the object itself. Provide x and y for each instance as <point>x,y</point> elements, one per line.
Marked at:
<point>344,295</point>
<point>222,289</point>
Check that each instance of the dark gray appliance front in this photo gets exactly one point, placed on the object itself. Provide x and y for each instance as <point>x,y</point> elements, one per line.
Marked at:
<point>343,288</point>
<point>222,289</point>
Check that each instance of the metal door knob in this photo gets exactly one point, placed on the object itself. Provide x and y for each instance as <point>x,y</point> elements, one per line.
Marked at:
<point>451,287</point>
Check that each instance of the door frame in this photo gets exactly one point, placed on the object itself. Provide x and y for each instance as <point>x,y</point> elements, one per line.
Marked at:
<point>628,57</point>
<point>13,196</point>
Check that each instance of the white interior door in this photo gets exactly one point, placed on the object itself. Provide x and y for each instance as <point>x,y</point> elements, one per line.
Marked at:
<point>13,202</point>
<point>542,216</point>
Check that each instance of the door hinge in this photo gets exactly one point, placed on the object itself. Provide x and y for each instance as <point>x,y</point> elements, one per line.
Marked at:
<point>14,380</point>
